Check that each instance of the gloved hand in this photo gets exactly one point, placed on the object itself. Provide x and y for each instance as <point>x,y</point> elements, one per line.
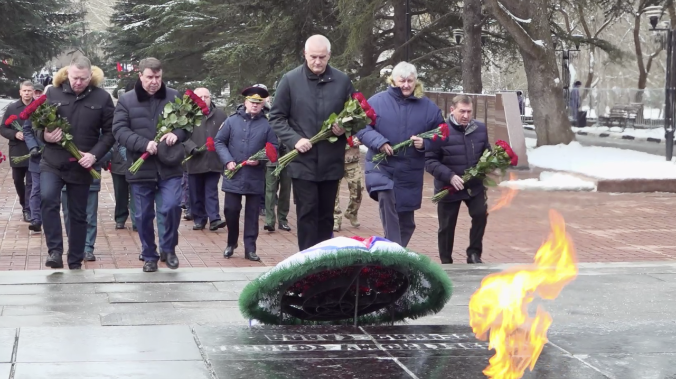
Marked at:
<point>34,152</point>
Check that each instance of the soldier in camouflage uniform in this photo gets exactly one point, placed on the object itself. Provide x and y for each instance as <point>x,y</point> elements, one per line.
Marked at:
<point>353,177</point>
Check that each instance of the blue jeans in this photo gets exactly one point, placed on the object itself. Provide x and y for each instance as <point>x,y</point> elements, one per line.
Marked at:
<point>35,198</point>
<point>50,206</point>
<point>145,195</point>
<point>92,211</point>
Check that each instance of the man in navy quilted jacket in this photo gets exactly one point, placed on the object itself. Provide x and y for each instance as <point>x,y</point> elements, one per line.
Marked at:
<point>467,141</point>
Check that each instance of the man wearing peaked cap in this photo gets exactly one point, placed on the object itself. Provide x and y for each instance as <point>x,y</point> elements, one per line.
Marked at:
<point>256,94</point>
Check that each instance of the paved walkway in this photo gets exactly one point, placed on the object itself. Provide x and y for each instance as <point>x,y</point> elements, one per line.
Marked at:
<point>605,228</point>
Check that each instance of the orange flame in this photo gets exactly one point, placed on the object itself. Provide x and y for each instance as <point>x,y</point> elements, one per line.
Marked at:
<point>507,196</point>
<point>500,307</point>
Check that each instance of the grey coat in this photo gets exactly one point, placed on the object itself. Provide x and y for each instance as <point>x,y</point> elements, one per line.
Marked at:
<point>241,137</point>
<point>206,161</point>
<point>303,101</point>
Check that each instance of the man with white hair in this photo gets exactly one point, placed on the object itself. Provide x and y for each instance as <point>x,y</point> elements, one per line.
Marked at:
<point>397,183</point>
<point>305,97</point>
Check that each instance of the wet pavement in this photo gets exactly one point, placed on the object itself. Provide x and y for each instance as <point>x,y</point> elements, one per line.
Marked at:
<point>614,321</point>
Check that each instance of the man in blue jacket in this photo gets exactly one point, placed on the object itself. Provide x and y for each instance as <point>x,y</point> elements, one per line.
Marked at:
<point>467,142</point>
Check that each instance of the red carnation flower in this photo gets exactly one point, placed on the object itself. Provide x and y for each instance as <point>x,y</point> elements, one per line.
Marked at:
<point>350,141</point>
<point>270,152</point>
<point>197,100</point>
<point>211,146</point>
<point>26,113</point>
<point>365,105</point>
<point>514,159</point>
<point>10,120</point>
<point>372,115</point>
<point>359,97</point>
<point>445,131</point>
<point>434,137</point>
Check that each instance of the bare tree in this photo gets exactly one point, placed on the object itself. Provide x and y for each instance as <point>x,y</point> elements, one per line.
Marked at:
<point>471,53</point>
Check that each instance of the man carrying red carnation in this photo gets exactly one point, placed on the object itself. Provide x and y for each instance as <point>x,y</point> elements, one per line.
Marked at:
<point>243,135</point>
<point>204,168</point>
<point>467,141</point>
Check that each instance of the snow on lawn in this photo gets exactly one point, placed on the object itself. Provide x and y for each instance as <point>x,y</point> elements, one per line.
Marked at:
<point>637,133</point>
<point>551,181</point>
<point>600,162</point>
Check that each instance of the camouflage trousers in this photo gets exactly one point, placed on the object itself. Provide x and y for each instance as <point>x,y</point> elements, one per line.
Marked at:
<point>353,177</point>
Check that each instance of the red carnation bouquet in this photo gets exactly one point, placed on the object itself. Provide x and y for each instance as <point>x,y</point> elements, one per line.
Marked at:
<point>268,152</point>
<point>356,114</point>
<point>500,158</point>
<point>441,131</point>
<point>13,123</point>
<point>44,117</point>
<point>183,113</point>
<point>3,157</point>
<point>209,146</point>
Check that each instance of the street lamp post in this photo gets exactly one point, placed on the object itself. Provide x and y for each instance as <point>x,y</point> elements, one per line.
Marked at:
<point>654,13</point>
<point>408,30</point>
<point>565,61</point>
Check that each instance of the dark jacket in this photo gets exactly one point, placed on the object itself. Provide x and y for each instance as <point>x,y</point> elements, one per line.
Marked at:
<point>90,115</point>
<point>303,101</point>
<point>32,142</point>
<point>398,119</point>
<point>241,137</point>
<point>16,147</point>
<point>206,161</point>
<point>118,160</point>
<point>135,125</point>
<point>461,151</point>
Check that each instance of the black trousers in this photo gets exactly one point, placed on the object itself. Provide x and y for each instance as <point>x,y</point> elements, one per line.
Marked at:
<point>50,206</point>
<point>23,184</point>
<point>121,189</point>
<point>448,218</point>
<point>314,210</point>
<point>232,210</point>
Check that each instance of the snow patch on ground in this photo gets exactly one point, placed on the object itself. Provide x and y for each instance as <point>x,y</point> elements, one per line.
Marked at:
<point>551,181</point>
<point>600,162</point>
<point>636,133</point>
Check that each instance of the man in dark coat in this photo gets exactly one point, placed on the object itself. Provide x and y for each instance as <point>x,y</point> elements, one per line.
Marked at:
<point>17,147</point>
<point>135,127</point>
<point>244,134</point>
<point>204,168</point>
<point>119,165</point>
<point>305,98</point>
<point>397,182</point>
<point>89,110</point>
<point>467,142</point>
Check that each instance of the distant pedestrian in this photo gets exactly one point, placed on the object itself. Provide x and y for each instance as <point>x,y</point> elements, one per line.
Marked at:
<point>522,103</point>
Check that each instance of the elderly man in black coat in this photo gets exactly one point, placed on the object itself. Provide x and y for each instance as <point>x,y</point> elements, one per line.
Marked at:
<point>135,127</point>
<point>204,168</point>
<point>305,97</point>
<point>89,110</point>
<point>467,142</point>
<point>243,134</point>
<point>17,147</point>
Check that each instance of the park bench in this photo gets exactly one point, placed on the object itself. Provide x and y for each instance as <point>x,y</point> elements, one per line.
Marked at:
<point>623,115</point>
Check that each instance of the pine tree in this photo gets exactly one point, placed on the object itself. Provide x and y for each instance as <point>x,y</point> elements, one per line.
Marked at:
<point>31,34</point>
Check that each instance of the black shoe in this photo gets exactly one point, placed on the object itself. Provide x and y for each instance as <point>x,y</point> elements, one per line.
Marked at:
<point>446,261</point>
<point>89,256</point>
<point>35,227</point>
<point>251,256</point>
<point>187,216</point>
<point>474,258</point>
<point>75,267</point>
<point>229,251</point>
<point>150,266</point>
<point>198,227</point>
<point>269,228</point>
<point>26,216</point>
<point>215,225</point>
<point>134,228</point>
<point>140,257</point>
<point>163,257</point>
<point>285,227</point>
<point>172,260</point>
<point>119,225</point>
<point>54,261</point>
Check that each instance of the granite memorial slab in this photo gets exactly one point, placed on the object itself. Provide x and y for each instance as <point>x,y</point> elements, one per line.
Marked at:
<point>158,297</point>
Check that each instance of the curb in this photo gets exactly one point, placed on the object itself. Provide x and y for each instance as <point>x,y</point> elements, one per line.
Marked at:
<point>612,135</point>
